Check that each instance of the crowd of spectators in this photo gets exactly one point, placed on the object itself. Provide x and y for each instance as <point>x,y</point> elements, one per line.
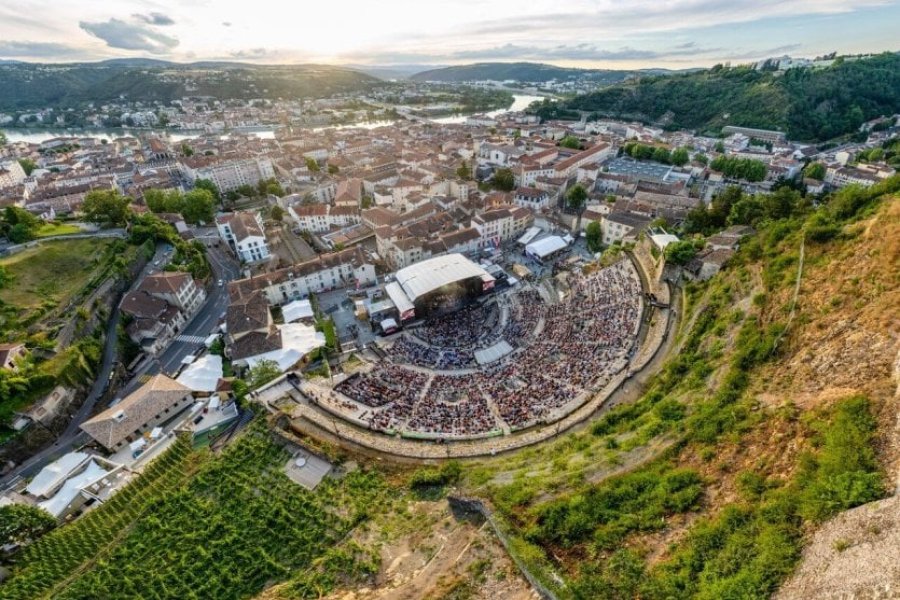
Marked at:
<point>584,340</point>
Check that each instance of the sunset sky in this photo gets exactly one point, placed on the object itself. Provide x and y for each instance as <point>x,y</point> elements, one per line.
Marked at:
<point>604,33</point>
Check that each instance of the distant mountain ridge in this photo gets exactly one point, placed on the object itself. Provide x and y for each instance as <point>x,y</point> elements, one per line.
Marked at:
<point>25,86</point>
<point>527,72</point>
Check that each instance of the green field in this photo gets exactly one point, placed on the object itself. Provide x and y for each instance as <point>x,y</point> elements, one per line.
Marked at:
<point>53,270</point>
<point>52,229</point>
<point>195,525</point>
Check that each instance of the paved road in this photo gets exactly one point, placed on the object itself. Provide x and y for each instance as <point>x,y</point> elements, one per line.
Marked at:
<point>206,320</point>
<point>225,268</point>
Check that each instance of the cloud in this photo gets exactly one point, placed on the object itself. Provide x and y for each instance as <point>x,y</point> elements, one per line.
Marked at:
<point>226,23</point>
<point>35,49</point>
<point>252,54</point>
<point>560,52</point>
<point>130,36</point>
<point>154,18</point>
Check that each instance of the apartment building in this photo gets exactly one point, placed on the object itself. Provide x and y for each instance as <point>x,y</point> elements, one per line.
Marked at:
<point>228,175</point>
<point>246,235</point>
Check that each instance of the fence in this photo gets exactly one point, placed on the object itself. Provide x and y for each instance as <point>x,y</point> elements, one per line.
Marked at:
<point>477,506</point>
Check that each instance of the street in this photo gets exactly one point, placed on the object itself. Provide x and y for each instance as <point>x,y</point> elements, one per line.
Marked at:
<point>224,267</point>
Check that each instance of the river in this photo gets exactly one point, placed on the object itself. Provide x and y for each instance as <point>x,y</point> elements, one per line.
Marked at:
<point>36,136</point>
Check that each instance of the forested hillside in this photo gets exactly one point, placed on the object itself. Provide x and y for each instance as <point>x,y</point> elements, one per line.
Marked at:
<point>25,85</point>
<point>809,104</point>
<point>519,71</point>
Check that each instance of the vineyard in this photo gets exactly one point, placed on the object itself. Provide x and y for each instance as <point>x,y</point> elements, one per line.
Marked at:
<point>200,526</point>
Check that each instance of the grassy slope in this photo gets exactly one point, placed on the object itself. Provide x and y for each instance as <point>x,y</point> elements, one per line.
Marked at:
<point>52,270</point>
<point>769,431</point>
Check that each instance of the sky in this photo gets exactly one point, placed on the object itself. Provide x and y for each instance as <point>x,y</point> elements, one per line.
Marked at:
<point>613,34</point>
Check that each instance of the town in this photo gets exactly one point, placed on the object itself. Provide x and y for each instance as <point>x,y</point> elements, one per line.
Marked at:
<point>421,271</point>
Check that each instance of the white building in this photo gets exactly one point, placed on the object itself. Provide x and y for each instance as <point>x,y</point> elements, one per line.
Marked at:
<point>245,234</point>
<point>502,224</point>
<point>325,272</point>
<point>321,218</point>
<point>618,226</point>
<point>11,173</point>
<point>228,175</point>
<point>533,198</point>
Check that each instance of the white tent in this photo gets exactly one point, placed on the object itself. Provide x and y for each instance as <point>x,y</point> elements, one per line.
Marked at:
<point>57,505</point>
<point>545,246</point>
<point>54,473</point>
<point>296,310</point>
<point>297,340</point>
<point>529,235</point>
<point>203,375</point>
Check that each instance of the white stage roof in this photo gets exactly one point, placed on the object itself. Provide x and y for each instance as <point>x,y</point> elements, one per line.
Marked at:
<point>429,275</point>
<point>203,375</point>
<point>546,246</point>
<point>296,310</point>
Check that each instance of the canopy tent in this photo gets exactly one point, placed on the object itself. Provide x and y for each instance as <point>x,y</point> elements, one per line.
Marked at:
<point>297,310</point>
<point>400,300</point>
<point>545,247</point>
<point>54,473</point>
<point>57,505</point>
<point>528,235</point>
<point>203,375</point>
<point>297,340</point>
<point>493,353</point>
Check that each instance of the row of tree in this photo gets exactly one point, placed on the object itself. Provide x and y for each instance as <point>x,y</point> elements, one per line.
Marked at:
<point>747,169</point>
<point>678,157</point>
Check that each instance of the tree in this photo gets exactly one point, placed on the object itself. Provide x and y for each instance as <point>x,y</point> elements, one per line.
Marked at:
<point>504,180</point>
<point>464,172</point>
<point>187,150</point>
<point>19,234</point>
<point>679,157</point>
<point>312,165</point>
<point>198,206</point>
<point>21,523</point>
<point>206,184</point>
<point>576,197</point>
<point>333,169</point>
<point>814,170</point>
<point>106,207</point>
<point>701,159</point>
<point>680,252</point>
<point>570,141</point>
<point>661,155</point>
<point>28,165</point>
<point>262,373</point>
<point>277,213</point>
<point>164,201</point>
<point>273,188</point>
<point>594,236</point>
<point>2,139</point>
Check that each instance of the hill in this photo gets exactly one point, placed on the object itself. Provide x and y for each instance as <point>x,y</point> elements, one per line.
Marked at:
<point>29,85</point>
<point>809,104</point>
<point>525,72</point>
